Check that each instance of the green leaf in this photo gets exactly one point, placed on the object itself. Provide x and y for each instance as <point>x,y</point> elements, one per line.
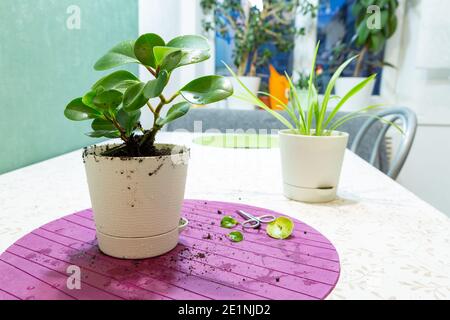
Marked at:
<point>121,54</point>
<point>282,228</point>
<point>376,42</point>
<point>207,90</point>
<point>347,97</point>
<point>104,133</point>
<point>190,42</point>
<point>119,80</point>
<point>128,120</point>
<point>228,222</point>
<point>252,98</point>
<point>162,52</point>
<point>134,98</point>
<point>392,26</point>
<point>103,125</point>
<point>327,96</point>
<point>177,111</point>
<point>236,236</point>
<point>195,48</point>
<point>171,61</point>
<point>362,33</point>
<point>155,88</point>
<point>88,98</point>
<point>78,111</point>
<point>143,48</point>
<point>108,100</point>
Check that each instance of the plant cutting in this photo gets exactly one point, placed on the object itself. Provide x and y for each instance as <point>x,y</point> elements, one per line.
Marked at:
<point>312,148</point>
<point>137,186</point>
<point>255,24</point>
<point>373,28</point>
<point>236,236</point>
<point>281,229</point>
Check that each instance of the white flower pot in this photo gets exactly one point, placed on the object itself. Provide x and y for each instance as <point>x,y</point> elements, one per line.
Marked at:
<point>252,83</point>
<point>361,100</point>
<point>312,165</point>
<point>137,201</point>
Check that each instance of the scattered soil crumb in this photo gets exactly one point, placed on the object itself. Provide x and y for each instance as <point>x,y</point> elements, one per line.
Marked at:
<point>207,237</point>
<point>201,256</point>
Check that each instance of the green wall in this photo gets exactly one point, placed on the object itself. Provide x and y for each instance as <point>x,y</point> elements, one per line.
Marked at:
<point>44,65</point>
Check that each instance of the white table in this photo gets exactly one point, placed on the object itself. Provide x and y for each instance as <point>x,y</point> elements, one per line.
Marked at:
<point>392,244</point>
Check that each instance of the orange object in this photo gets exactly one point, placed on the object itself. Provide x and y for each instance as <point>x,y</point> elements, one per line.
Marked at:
<point>278,88</point>
<point>266,100</point>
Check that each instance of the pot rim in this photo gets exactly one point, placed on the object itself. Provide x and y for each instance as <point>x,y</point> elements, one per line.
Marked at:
<point>90,151</point>
<point>336,135</point>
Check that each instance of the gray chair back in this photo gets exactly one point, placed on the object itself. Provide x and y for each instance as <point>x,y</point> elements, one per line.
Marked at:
<point>407,119</point>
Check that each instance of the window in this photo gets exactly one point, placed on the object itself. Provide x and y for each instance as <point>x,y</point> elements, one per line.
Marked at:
<point>335,29</point>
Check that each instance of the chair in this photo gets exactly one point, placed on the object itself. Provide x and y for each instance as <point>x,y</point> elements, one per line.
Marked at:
<point>409,123</point>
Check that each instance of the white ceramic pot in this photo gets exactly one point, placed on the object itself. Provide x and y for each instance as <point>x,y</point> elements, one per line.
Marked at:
<point>312,165</point>
<point>361,100</point>
<point>252,83</point>
<point>137,201</point>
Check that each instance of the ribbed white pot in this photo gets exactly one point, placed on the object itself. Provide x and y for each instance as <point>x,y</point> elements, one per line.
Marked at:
<point>137,201</point>
<point>360,100</point>
<point>252,83</point>
<point>312,165</point>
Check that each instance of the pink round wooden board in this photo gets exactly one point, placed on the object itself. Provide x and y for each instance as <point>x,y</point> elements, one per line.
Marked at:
<point>205,265</point>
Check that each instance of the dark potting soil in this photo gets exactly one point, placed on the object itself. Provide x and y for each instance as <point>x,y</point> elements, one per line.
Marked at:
<point>146,153</point>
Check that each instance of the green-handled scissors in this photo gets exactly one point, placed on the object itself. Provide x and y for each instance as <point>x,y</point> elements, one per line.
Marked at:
<point>253,222</point>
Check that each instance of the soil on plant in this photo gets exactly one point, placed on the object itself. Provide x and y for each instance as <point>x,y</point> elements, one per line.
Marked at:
<point>146,153</point>
<point>125,153</point>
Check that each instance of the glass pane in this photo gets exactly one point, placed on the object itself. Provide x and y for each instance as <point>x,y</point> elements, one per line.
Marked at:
<point>282,61</point>
<point>336,26</point>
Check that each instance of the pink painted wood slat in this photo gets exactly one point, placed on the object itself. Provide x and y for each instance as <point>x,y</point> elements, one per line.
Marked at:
<point>205,265</point>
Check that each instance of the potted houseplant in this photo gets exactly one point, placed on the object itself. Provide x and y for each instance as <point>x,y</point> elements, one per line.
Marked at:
<point>370,39</point>
<point>137,186</point>
<point>253,24</point>
<point>312,148</point>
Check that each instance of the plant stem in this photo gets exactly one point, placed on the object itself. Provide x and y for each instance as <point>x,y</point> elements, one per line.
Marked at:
<point>359,64</point>
<point>253,64</point>
<point>151,71</point>
<point>150,107</point>
<point>173,98</point>
<point>243,66</point>
<point>116,124</point>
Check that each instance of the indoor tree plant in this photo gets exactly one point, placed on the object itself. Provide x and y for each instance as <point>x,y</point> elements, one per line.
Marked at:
<point>137,186</point>
<point>312,150</point>
<point>373,29</point>
<point>253,24</point>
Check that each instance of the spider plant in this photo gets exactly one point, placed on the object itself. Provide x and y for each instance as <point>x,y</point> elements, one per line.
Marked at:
<point>316,118</point>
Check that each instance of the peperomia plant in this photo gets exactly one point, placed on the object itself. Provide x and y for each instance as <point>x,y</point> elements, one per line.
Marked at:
<point>114,102</point>
<point>315,118</point>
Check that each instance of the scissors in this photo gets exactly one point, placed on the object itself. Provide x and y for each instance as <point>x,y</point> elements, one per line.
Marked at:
<point>253,222</point>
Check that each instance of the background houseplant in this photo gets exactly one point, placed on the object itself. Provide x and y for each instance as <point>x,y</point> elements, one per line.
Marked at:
<point>375,22</point>
<point>137,187</point>
<point>312,149</point>
<point>252,25</point>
